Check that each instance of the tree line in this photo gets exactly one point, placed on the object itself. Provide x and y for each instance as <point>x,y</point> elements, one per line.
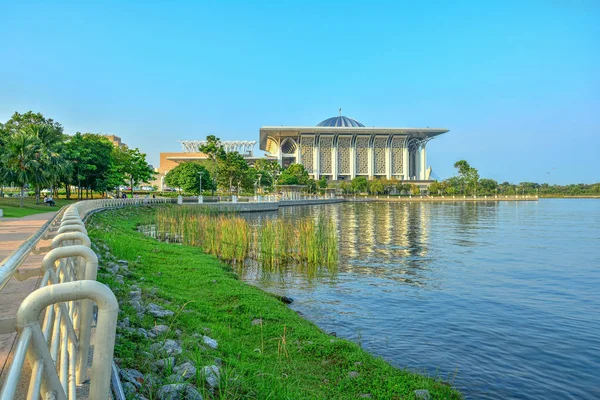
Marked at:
<point>225,171</point>
<point>35,154</point>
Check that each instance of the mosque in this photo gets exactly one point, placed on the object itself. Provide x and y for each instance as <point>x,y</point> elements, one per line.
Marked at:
<point>341,148</point>
<point>338,148</point>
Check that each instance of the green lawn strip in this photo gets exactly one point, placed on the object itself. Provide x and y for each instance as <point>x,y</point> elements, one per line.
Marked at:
<point>287,357</point>
<point>11,209</point>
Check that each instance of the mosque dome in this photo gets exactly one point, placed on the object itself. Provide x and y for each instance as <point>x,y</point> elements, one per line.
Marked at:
<point>341,121</point>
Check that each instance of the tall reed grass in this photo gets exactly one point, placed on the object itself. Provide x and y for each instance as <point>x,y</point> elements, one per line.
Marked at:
<point>274,243</point>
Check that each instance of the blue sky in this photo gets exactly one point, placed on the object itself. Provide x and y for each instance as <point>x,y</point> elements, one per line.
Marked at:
<point>516,82</point>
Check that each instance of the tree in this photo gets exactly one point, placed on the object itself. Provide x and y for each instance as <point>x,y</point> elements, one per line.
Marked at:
<point>132,164</point>
<point>20,160</point>
<point>376,186</point>
<point>415,190</point>
<point>437,188</point>
<point>269,170</point>
<point>231,169</point>
<point>359,184</point>
<point>186,176</point>
<point>322,184</point>
<point>487,187</point>
<point>50,137</point>
<point>468,175</point>
<point>19,121</point>
<point>345,186</point>
<point>295,174</point>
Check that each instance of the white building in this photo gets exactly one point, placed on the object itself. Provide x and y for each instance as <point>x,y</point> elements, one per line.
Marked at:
<point>341,148</point>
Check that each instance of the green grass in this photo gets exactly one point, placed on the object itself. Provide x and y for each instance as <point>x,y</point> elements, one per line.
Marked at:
<point>11,209</point>
<point>285,357</point>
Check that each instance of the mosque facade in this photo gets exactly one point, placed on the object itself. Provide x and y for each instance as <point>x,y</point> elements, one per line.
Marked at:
<point>341,148</point>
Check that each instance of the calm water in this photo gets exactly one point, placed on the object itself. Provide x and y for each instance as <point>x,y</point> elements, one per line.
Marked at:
<point>502,299</point>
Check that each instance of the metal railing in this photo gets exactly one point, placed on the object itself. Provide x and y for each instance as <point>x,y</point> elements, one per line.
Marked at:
<point>57,348</point>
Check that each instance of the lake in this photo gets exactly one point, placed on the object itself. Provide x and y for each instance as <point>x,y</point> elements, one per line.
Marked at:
<point>500,299</point>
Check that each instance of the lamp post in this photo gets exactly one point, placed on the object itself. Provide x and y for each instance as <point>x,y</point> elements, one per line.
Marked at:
<point>200,199</point>
<point>259,178</point>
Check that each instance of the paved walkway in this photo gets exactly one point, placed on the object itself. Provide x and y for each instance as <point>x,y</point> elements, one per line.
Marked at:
<point>13,232</point>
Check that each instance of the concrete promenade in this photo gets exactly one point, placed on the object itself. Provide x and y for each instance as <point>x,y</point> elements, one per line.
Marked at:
<point>13,232</point>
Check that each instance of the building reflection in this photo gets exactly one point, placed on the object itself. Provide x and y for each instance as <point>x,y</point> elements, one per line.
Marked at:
<point>386,240</point>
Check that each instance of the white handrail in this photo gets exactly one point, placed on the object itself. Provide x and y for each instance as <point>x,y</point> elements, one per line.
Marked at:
<point>57,348</point>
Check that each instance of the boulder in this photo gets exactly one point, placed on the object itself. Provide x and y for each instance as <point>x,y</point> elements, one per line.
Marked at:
<point>212,343</point>
<point>177,391</point>
<point>159,329</point>
<point>170,347</point>
<point>133,376</point>
<point>164,363</point>
<point>187,370</point>
<point>212,375</point>
<point>159,312</point>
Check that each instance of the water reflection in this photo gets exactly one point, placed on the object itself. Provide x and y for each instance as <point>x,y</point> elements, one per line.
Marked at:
<point>500,298</point>
<point>388,240</point>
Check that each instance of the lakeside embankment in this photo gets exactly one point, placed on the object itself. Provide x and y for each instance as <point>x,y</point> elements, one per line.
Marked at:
<point>263,349</point>
<point>440,199</point>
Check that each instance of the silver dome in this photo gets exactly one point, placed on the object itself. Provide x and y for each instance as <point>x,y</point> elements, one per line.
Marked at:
<point>341,121</point>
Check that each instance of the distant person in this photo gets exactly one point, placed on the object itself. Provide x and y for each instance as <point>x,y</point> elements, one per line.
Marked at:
<point>153,196</point>
<point>49,201</point>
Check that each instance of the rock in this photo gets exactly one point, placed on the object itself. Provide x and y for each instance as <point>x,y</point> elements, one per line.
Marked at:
<point>129,389</point>
<point>119,279</point>
<point>212,343</point>
<point>137,306</point>
<point>177,391</point>
<point>123,262</point>
<point>135,294</point>
<point>178,332</point>
<point>257,321</point>
<point>124,323</point>
<point>135,377</point>
<point>142,332</point>
<point>159,312</point>
<point>353,374</point>
<point>164,363</point>
<point>187,370</point>
<point>112,267</point>
<point>159,329</point>
<point>175,378</point>
<point>422,394</point>
<point>357,364</point>
<point>366,396</point>
<point>218,362</point>
<point>212,375</point>
<point>170,347</point>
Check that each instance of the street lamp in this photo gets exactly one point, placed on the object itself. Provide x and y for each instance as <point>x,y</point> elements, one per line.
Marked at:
<point>259,177</point>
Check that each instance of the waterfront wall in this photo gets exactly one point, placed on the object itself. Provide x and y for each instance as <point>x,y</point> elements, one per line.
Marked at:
<point>441,199</point>
<point>262,206</point>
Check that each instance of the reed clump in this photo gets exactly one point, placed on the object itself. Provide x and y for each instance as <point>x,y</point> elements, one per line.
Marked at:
<point>274,243</point>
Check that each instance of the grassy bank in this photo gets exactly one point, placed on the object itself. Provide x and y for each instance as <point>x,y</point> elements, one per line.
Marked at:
<point>11,209</point>
<point>279,356</point>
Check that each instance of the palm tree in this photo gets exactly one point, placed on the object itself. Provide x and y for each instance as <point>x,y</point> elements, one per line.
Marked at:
<point>20,160</point>
<point>52,164</point>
